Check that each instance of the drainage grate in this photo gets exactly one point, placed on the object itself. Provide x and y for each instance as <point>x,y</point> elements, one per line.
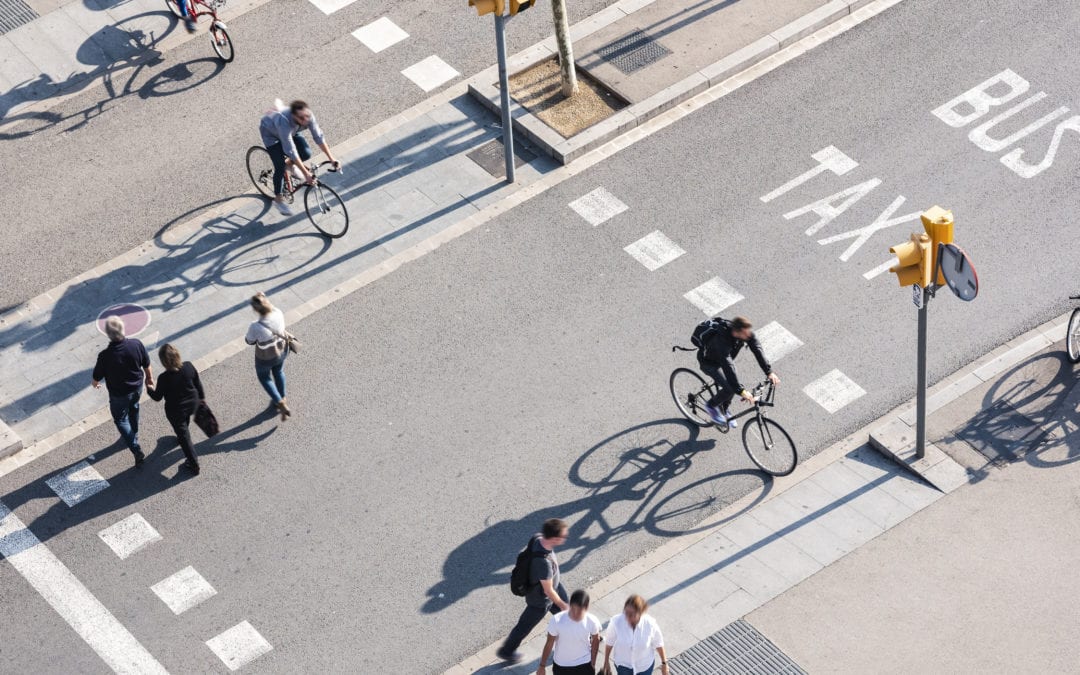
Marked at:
<point>633,52</point>
<point>738,649</point>
<point>15,13</point>
<point>492,157</point>
<point>1001,434</point>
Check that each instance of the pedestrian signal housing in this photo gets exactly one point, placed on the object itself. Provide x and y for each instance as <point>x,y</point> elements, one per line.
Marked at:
<point>488,7</point>
<point>915,261</point>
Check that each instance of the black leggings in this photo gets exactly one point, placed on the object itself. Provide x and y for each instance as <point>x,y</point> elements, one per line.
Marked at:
<point>181,424</point>
<point>725,394</point>
<point>277,156</point>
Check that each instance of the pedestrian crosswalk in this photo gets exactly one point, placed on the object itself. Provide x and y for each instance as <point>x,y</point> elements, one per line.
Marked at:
<point>77,483</point>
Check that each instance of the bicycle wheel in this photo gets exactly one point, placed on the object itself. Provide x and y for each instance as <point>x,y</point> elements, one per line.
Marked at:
<point>222,43</point>
<point>261,170</point>
<point>1072,338</point>
<point>174,7</point>
<point>326,210</point>
<point>691,393</point>
<point>769,446</point>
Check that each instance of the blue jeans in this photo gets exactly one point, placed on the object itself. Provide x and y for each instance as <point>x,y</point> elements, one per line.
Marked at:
<point>125,413</point>
<point>271,376</point>
<point>277,156</point>
<point>626,670</point>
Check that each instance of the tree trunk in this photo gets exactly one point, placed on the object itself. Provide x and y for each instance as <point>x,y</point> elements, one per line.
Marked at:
<point>566,50</point>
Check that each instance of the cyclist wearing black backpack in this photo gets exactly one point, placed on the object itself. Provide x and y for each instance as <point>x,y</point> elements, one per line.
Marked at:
<point>536,578</point>
<point>719,341</point>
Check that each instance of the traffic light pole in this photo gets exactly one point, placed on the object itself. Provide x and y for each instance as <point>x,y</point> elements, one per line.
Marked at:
<point>504,89</point>
<point>920,386</point>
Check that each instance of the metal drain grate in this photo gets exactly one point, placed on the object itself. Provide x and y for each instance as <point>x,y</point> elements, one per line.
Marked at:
<point>15,13</point>
<point>737,649</point>
<point>633,52</point>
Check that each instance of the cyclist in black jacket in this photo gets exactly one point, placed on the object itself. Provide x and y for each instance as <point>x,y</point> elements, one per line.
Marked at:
<point>717,360</point>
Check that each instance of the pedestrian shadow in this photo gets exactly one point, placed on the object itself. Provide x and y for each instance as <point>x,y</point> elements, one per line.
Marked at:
<point>634,467</point>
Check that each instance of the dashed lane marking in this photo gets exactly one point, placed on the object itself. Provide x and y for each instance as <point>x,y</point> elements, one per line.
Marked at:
<point>239,645</point>
<point>129,536</point>
<point>77,483</point>
<point>328,7</point>
<point>183,590</point>
<point>713,296</point>
<point>378,35</point>
<point>430,73</point>
<point>833,391</point>
<point>654,250</point>
<point>777,341</point>
<point>599,206</point>
<point>116,646</point>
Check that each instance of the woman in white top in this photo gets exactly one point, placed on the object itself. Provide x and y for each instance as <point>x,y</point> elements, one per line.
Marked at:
<point>631,639</point>
<point>268,335</point>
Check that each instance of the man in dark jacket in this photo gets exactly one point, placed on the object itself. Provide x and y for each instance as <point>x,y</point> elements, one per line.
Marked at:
<point>124,366</point>
<point>717,360</point>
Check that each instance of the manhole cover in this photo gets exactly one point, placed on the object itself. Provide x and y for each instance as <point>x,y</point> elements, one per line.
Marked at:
<point>736,649</point>
<point>633,52</point>
<point>1001,433</point>
<point>492,157</point>
<point>15,13</point>
<point>136,318</point>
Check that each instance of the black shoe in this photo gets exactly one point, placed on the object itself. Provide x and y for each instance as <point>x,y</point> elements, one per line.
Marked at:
<point>192,467</point>
<point>516,657</point>
<point>140,457</point>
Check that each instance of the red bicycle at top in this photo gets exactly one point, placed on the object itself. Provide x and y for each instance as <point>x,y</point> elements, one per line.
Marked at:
<point>219,36</point>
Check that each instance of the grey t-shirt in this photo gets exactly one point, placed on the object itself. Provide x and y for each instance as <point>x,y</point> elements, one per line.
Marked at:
<point>543,567</point>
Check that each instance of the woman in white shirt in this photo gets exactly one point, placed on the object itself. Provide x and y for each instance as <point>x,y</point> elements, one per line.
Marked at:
<point>268,335</point>
<point>631,639</point>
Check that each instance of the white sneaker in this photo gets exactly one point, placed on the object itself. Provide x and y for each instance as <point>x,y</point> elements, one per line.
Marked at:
<point>282,207</point>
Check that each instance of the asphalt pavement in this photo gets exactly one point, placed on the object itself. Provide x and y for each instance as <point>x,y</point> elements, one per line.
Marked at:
<point>520,372</point>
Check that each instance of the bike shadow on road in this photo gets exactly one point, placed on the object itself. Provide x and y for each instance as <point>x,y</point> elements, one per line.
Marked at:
<point>637,467</point>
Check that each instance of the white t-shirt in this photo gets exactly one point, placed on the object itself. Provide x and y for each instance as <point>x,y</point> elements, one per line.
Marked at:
<point>573,639</point>
<point>261,332</point>
<point>633,647</point>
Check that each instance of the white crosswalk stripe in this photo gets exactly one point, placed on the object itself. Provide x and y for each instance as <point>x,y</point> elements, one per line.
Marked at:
<point>777,341</point>
<point>239,645</point>
<point>654,250</point>
<point>380,34</point>
<point>77,483</point>
<point>430,73</point>
<point>713,296</point>
<point>328,7</point>
<point>833,390</point>
<point>599,206</point>
<point>129,536</point>
<point>183,590</point>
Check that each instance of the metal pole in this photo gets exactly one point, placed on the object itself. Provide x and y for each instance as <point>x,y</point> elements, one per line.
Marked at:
<point>920,400</point>
<point>504,86</point>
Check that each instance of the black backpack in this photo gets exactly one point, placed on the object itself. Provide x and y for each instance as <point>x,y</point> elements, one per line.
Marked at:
<point>521,575</point>
<point>704,331</point>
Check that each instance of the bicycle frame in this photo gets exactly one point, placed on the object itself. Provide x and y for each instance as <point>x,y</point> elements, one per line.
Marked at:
<point>207,10</point>
<point>765,391</point>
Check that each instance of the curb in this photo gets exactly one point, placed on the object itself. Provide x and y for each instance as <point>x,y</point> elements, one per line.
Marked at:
<point>566,150</point>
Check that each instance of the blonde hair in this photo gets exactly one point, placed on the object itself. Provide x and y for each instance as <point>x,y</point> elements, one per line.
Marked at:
<point>170,357</point>
<point>261,304</point>
<point>637,602</point>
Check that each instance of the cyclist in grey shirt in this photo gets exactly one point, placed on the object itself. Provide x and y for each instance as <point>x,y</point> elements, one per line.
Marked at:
<point>280,131</point>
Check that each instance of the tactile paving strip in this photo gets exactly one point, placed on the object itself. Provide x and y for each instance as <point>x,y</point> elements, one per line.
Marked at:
<point>737,649</point>
<point>633,52</point>
<point>15,13</point>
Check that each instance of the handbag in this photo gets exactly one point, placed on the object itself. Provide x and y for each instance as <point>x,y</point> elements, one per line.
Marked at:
<point>291,342</point>
<point>205,420</point>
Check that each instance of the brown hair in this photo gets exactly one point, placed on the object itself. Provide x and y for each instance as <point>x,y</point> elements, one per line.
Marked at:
<point>741,323</point>
<point>553,527</point>
<point>297,105</point>
<point>170,357</point>
<point>637,602</point>
<point>261,304</point>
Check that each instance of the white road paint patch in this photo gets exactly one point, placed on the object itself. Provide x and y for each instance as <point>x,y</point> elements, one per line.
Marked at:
<point>713,296</point>
<point>183,590</point>
<point>129,536</point>
<point>598,206</point>
<point>117,647</point>
<point>833,391</point>
<point>378,35</point>
<point>654,250</point>
<point>77,483</point>
<point>828,159</point>
<point>328,7</point>
<point>430,73</point>
<point>239,645</point>
<point>880,269</point>
<point>777,341</point>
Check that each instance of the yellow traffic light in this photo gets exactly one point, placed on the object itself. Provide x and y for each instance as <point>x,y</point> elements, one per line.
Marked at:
<point>916,262</point>
<point>520,5</point>
<point>488,6</point>
<point>938,223</point>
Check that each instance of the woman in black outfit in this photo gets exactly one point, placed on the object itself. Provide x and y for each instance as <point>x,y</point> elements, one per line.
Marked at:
<point>182,390</point>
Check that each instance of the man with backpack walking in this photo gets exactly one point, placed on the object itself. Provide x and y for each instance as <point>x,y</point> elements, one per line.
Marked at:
<point>536,578</point>
<point>719,341</point>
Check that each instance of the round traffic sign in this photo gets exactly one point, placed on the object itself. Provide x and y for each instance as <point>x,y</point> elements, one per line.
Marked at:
<point>958,271</point>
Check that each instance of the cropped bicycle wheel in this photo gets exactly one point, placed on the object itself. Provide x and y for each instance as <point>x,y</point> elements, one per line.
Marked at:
<point>1072,338</point>
<point>691,392</point>
<point>174,7</point>
<point>261,170</point>
<point>326,210</point>
<point>222,43</point>
<point>769,446</point>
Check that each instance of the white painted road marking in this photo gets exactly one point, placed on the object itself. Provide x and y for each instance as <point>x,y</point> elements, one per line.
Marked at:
<point>239,645</point>
<point>713,296</point>
<point>328,7</point>
<point>378,35</point>
<point>654,250</point>
<point>862,234</point>
<point>183,590</point>
<point>827,211</point>
<point>130,535</point>
<point>77,483</point>
<point>833,391</point>
<point>880,269</point>
<point>777,341</point>
<point>117,647</point>
<point>828,159</point>
<point>430,73</point>
<point>598,206</point>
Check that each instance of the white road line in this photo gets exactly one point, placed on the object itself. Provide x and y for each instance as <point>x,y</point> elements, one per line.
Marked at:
<point>833,391</point>
<point>598,206</point>
<point>77,483</point>
<point>239,645</point>
<point>654,250</point>
<point>183,590</point>
<point>380,34</point>
<point>328,7</point>
<point>777,341</point>
<point>130,535</point>
<point>117,647</point>
<point>880,269</point>
<point>430,73</point>
<point>713,296</point>
<point>828,159</point>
